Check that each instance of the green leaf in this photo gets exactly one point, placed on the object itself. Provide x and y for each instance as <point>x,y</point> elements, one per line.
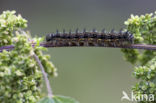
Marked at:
<point>58,99</point>
<point>63,99</point>
<point>46,100</point>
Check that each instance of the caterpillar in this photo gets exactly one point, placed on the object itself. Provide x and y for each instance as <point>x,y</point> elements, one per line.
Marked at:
<point>94,38</point>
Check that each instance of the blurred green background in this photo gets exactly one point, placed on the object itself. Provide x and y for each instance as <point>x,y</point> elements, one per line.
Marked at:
<point>91,75</point>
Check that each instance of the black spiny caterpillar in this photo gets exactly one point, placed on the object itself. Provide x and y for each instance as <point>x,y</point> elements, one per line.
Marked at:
<point>107,39</point>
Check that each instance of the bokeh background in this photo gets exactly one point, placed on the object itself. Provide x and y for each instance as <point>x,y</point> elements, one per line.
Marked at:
<point>91,75</point>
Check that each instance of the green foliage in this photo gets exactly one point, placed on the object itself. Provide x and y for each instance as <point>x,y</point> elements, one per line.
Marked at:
<point>20,75</point>
<point>58,99</point>
<point>144,29</point>
<point>8,23</point>
<point>46,100</point>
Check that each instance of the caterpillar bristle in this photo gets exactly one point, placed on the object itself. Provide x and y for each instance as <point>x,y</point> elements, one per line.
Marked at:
<point>64,31</point>
<point>70,31</point>
<point>121,31</point>
<point>112,31</point>
<point>103,30</point>
<point>84,30</point>
<point>57,31</point>
<point>77,31</point>
<point>94,30</point>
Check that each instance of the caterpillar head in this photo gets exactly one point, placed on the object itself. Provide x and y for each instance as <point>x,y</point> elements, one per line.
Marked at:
<point>49,37</point>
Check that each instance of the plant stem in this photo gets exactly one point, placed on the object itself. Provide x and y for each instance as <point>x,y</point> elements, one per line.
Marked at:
<point>48,45</point>
<point>49,90</point>
<point>129,46</point>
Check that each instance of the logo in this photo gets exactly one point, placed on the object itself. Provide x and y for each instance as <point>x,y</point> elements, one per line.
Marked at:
<point>138,98</point>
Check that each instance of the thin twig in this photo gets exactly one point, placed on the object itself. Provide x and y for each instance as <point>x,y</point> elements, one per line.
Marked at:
<point>129,46</point>
<point>49,90</point>
<point>48,45</point>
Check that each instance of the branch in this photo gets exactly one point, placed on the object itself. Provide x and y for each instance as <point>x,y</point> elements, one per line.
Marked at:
<point>129,46</point>
<point>49,90</point>
<point>48,45</point>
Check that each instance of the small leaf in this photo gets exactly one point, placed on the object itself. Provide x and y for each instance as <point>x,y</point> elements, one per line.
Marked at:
<point>58,99</point>
<point>63,99</point>
<point>46,100</point>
